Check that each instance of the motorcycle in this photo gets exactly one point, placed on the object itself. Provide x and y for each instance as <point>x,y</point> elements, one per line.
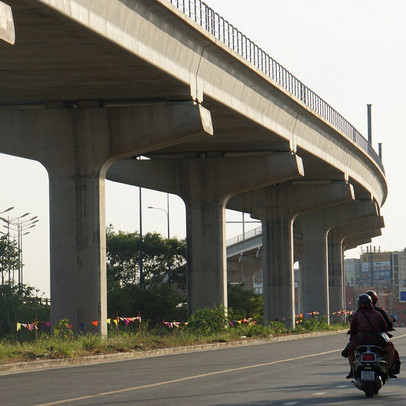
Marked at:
<point>370,369</point>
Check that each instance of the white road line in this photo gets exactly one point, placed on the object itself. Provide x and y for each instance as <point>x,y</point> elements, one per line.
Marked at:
<point>290,403</point>
<point>342,386</point>
<point>187,378</point>
<point>319,393</point>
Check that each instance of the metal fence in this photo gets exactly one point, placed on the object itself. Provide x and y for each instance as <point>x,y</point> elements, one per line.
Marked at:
<point>220,28</point>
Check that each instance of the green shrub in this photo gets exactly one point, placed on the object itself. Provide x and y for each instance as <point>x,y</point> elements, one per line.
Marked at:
<point>254,330</point>
<point>90,342</point>
<point>312,324</point>
<point>19,304</point>
<point>62,330</point>
<point>208,321</point>
<point>244,303</point>
<point>277,328</point>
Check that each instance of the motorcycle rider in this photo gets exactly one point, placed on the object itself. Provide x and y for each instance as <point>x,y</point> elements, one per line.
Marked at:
<point>374,297</point>
<point>366,325</point>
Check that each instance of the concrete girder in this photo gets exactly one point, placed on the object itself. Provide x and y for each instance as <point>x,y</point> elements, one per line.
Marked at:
<point>206,184</point>
<point>277,206</point>
<point>76,146</point>
<point>315,227</point>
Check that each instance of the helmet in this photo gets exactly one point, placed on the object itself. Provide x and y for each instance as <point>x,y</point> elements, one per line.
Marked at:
<point>364,300</point>
<point>373,295</point>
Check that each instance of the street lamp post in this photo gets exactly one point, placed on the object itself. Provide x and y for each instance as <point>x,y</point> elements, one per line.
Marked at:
<point>21,227</point>
<point>2,263</point>
<point>5,211</point>
<point>167,216</point>
<point>167,222</point>
<point>141,247</point>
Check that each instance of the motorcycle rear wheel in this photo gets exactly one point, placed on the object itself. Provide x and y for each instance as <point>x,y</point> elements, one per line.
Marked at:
<point>370,391</point>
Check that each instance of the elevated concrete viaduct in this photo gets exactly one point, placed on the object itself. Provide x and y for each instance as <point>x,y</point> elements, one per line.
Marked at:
<point>90,82</point>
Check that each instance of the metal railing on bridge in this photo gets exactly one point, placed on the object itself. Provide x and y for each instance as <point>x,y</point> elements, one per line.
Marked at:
<point>216,25</point>
<point>246,236</point>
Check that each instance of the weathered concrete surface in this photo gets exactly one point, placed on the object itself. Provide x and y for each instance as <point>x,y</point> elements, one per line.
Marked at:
<point>77,146</point>
<point>277,207</point>
<point>142,53</point>
<point>336,277</point>
<point>315,227</point>
<point>147,51</point>
<point>243,270</point>
<point>206,184</point>
<point>354,241</point>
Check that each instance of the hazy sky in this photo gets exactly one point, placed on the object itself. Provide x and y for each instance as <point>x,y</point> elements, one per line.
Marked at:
<point>351,52</point>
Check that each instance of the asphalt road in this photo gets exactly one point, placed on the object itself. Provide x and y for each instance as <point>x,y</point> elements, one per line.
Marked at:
<point>301,372</point>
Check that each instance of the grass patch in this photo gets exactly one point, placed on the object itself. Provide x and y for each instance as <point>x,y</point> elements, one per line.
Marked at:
<point>52,347</point>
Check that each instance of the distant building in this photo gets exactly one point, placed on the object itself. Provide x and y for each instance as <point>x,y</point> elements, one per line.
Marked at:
<point>384,272</point>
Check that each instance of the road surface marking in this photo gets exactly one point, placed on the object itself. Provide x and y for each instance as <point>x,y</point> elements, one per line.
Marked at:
<point>342,386</point>
<point>188,378</point>
<point>290,403</point>
<point>319,393</point>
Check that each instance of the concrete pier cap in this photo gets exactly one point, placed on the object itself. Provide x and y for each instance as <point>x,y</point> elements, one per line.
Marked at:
<point>353,241</point>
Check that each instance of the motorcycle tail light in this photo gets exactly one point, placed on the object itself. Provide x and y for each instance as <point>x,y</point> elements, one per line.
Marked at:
<point>368,357</point>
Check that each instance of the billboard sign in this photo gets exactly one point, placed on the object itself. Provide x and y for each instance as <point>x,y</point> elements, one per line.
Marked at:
<point>376,268</point>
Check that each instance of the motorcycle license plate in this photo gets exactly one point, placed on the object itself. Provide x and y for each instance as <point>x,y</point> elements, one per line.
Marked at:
<point>367,375</point>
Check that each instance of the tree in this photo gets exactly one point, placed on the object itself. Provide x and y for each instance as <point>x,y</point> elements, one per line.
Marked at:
<point>9,258</point>
<point>19,303</point>
<point>244,303</point>
<point>164,269</point>
<point>161,257</point>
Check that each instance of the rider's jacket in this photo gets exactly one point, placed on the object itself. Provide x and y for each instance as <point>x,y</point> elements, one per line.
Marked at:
<point>359,323</point>
<point>385,316</point>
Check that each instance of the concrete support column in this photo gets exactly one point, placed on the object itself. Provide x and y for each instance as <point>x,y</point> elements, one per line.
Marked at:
<point>315,227</point>
<point>315,290</point>
<point>205,230</point>
<point>336,275</point>
<point>278,279</point>
<point>249,266</point>
<point>76,146</point>
<point>234,271</point>
<point>243,270</point>
<point>277,207</point>
<point>78,243</point>
<point>362,228</point>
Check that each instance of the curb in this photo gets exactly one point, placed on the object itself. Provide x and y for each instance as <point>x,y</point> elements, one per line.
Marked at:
<point>98,359</point>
